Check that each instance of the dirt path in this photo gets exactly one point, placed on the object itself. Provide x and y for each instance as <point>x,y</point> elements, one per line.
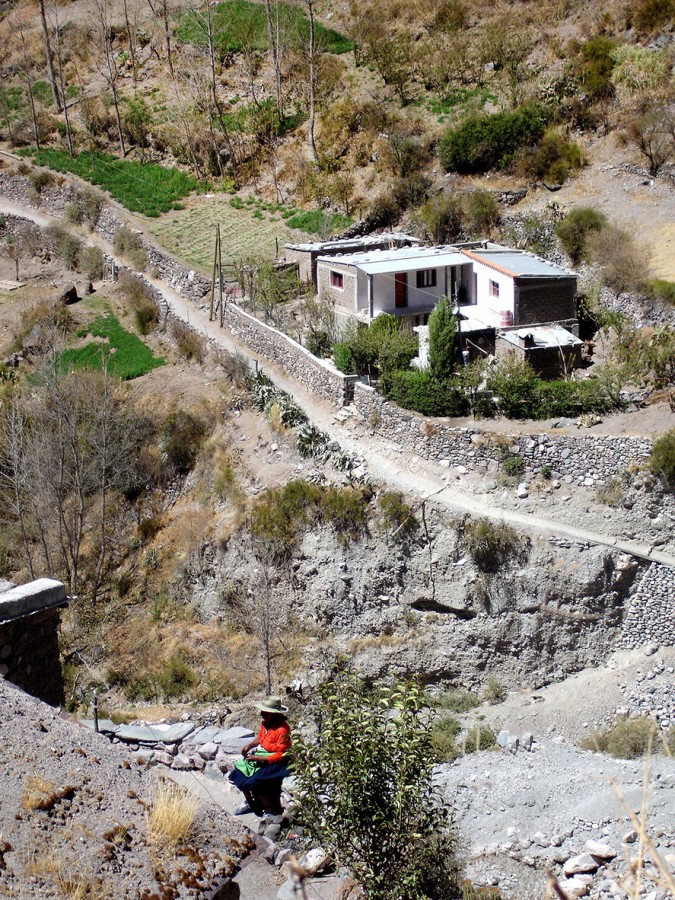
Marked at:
<point>385,460</point>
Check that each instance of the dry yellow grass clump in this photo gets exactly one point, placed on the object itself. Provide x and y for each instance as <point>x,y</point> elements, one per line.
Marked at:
<point>172,817</point>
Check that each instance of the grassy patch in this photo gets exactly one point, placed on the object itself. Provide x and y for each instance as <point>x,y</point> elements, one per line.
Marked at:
<point>126,354</point>
<point>146,188</point>
<point>189,234</point>
<point>236,22</point>
<point>318,222</point>
<point>630,739</point>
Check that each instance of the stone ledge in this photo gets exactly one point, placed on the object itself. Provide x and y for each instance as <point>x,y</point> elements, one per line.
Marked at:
<point>44,593</point>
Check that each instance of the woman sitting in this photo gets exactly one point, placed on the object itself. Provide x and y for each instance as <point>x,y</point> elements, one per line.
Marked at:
<point>265,761</point>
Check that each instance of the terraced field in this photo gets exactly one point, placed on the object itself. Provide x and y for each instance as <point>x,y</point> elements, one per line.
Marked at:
<point>189,234</point>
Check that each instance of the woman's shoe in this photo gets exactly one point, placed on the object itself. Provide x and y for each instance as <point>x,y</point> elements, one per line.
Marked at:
<point>243,810</point>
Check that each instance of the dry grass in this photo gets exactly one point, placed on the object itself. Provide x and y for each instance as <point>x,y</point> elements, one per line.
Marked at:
<point>71,882</point>
<point>172,818</point>
<point>38,793</point>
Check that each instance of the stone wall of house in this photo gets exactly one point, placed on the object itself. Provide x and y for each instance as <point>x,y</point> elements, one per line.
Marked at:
<point>538,301</point>
<point>578,459</point>
<point>544,360</point>
<point>29,638</point>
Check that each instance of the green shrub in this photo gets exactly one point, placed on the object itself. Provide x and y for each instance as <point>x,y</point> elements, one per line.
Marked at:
<point>129,244</point>
<point>494,691</point>
<point>513,466</point>
<point>142,301</point>
<point>628,739</point>
<point>570,398</point>
<point>442,218</point>
<point>491,544</point>
<point>397,515</point>
<point>343,358</point>
<point>575,229</point>
<point>514,385</point>
<point>479,737</point>
<point>176,677</point>
<point>92,262</point>
<point>554,158</point>
<point>444,733</point>
<point>662,459</point>
<point>593,66</point>
<point>39,180</point>
<point>661,289</point>
<point>86,208</point>
<point>383,347</point>
<point>189,342</point>
<point>442,340</point>
<point>481,212</point>
<point>459,700</point>
<point>485,142</point>
<point>367,792</point>
<point>650,16</point>
<point>421,392</point>
<point>181,439</point>
<point>64,244</point>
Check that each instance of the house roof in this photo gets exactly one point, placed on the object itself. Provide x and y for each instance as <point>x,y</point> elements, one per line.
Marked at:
<point>347,244</point>
<point>517,263</point>
<point>408,259</point>
<point>543,336</point>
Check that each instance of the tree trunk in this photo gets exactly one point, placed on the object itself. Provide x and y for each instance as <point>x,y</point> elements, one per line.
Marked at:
<point>59,60</point>
<point>48,53</point>
<point>312,81</point>
<point>274,38</point>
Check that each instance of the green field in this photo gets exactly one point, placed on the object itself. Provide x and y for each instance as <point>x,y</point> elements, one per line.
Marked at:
<point>246,229</point>
<point>126,354</point>
<point>146,188</point>
<point>236,22</point>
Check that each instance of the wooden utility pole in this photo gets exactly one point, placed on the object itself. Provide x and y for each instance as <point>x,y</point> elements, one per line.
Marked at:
<point>220,276</point>
<point>213,277</point>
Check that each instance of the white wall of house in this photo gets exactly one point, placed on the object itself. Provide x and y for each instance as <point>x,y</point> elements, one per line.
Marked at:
<point>422,298</point>
<point>485,299</point>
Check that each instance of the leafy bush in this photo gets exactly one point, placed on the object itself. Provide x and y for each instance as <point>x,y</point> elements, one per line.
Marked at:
<point>142,301</point>
<point>91,262</point>
<point>282,515</point>
<point>575,229</point>
<point>485,142</point>
<point>648,355</point>
<point>458,700</point>
<point>479,737</point>
<point>441,217</point>
<point>514,384</point>
<point>628,739</point>
<point>189,342</point>
<point>593,65</point>
<point>181,439</point>
<point>494,691</point>
<point>86,208</point>
<point>481,212</point>
<point>397,515</point>
<point>513,466</point>
<point>624,262</point>
<point>652,15</point>
<point>176,677</point>
<point>571,398</point>
<point>421,392</point>
<point>64,244</point>
<point>343,357</point>
<point>554,159</point>
<point>444,734</point>
<point>129,244</point>
<point>491,544</point>
<point>384,346</point>
<point>662,459</point>
<point>367,791</point>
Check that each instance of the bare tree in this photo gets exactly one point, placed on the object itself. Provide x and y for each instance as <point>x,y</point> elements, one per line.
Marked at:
<point>48,53</point>
<point>652,132</point>
<point>14,475</point>
<point>311,85</point>
<point>131,36</point>
<point>59,60</point>
<point>160,9</point>
<point>21,242</point>
<point>276,52</point>
<point>26,69</point>
<point>263,607</point>
<point>107,63</point>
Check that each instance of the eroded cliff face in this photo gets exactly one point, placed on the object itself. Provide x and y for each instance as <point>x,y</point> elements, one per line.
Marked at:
<point>424,606</point>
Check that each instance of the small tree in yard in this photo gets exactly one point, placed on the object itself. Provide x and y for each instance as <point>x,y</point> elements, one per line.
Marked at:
<point>367,794</point>
<point>442,337</point>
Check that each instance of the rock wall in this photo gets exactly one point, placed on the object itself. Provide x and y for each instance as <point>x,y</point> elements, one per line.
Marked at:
<point>649,618</point>
<point>29,655</point>
<point>577,459</point>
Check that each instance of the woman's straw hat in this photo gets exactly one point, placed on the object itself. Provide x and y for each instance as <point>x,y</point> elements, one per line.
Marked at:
<point>271,705</point>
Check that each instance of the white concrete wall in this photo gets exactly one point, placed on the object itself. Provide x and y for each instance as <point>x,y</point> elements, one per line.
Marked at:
<point>505,301</point>
<point>418,298</point>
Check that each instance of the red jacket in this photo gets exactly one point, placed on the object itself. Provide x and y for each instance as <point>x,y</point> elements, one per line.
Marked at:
<point>276,741</point>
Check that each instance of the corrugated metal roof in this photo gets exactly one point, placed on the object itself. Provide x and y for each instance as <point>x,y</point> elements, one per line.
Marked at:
<point>518,263</point>
<point>346,243</point>
<point>403,259</point>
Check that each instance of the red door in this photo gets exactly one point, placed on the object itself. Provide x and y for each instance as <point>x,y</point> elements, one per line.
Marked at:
<point>401,290</point>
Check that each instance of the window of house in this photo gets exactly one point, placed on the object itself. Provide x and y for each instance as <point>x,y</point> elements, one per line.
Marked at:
<point>337,280</point>
<point>426,278</point>
<point>494,288</point>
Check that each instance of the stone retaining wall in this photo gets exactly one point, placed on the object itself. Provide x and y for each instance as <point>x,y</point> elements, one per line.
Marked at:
<point>583,459</point>
<point>649,618</point>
